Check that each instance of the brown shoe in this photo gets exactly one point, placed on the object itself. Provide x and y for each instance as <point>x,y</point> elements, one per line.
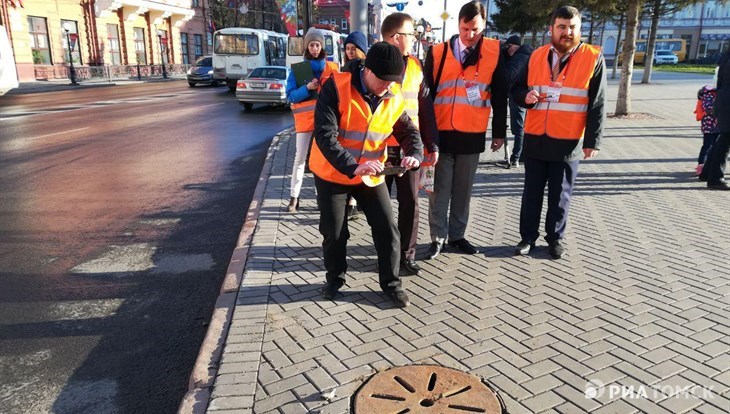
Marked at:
<point>293,205</point>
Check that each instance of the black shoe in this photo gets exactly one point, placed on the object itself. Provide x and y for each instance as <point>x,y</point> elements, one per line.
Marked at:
<point>410,267</point>
<point>329,291</point>
<point>556,249</point>
<point>399,297</point>
<point>464,246</point>
<point>434,249</point>
<point>516,164</point>
<point>523,248</point>
<point>505,164</point>
<point>722,185</point>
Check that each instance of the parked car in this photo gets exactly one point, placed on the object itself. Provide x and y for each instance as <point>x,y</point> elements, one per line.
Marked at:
<point>265,84</point>
<point>202,72</point>
<point>665,56</point>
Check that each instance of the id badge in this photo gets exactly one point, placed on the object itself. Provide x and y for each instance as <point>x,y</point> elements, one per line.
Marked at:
<point>473,93</point>
<point>553,92</point>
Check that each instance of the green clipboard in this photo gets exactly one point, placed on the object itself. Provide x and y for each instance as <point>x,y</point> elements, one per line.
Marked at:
<point>303,75</point>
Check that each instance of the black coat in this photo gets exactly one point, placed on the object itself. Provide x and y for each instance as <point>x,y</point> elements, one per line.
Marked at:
<point>722,104</point>
<point>515,64</point>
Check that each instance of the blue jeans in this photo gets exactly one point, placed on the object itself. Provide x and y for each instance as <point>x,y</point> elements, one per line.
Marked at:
<point>517,126</point>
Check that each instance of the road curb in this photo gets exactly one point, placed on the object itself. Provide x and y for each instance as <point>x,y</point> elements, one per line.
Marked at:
<point>206,365</point>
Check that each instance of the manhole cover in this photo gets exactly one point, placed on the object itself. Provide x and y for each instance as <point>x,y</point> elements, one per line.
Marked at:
<point>425,389</point>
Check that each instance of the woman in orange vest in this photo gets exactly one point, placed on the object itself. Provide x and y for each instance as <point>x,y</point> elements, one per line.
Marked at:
<point>302,97</point>
<point>356,112</point>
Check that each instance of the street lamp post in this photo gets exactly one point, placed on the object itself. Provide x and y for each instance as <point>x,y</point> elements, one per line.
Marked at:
<point>420,30</point>
<point>162,53</point>
<point>72,70</point>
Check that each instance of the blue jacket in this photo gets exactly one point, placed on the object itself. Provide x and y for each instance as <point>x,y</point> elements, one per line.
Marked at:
<point>301,93</point>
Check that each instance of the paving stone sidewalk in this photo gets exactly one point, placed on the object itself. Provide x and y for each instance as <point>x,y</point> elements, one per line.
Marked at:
<point>641,299</point>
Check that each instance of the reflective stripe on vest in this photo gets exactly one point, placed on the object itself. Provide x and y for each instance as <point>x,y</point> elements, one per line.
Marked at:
<point>454,111</point>
<point>304,111</point>
<point>565,119</point>
<point>410,88</point>
<point>361,132</point>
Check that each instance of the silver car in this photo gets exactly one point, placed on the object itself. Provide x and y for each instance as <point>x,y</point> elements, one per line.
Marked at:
<point>265,84</point>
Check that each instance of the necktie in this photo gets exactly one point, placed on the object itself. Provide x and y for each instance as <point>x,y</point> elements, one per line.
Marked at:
<point>556,67</point>
<point>466,53</point>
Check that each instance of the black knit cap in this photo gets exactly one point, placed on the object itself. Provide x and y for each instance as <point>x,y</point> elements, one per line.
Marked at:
<point>385,61</point>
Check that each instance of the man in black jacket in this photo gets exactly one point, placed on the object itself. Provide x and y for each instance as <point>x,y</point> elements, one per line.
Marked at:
<point>398,30</point>
<point>515,55</point>
<point>715,167</point>
<point>457,73</point>
<point>339,163</point>
<point>569,119</point>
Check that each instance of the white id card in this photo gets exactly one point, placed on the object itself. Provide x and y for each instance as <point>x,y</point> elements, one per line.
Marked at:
<point>553,92</point>
<point>473,93</point>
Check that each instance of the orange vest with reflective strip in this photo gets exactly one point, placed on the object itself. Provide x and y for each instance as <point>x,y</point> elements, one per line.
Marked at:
<point>361,132</point>
<point>454,111</point>
<point>304,111</point>
<point>565,119</point>
<point>411,86</point>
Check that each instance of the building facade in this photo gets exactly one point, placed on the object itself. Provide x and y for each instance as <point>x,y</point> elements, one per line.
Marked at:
<point>123,36</point>
<point>337,13</point>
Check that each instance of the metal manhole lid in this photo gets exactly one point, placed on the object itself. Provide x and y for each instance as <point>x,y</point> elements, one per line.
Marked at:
<point>425,389</point>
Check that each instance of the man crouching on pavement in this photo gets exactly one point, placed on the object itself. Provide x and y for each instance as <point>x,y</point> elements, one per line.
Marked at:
<point>356,112</point>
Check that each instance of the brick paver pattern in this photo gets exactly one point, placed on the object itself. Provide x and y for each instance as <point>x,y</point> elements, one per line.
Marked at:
<point>640,299</point>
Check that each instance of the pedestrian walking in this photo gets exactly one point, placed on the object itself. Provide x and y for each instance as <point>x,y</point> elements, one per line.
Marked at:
<point>467,79</point>
<point>356,112</point>
<point>398,29</point>
<point>301,93</point>
<point>714,170</point>
<point>515,55</point>
<point>705,112</point>
<point>564,90</point>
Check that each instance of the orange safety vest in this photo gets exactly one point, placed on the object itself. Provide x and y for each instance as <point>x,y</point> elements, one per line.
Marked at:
<point>361,132</point>
<point>304,111</point>
<point>411,86</point>
<point>565,119</point>
<point>454,111</point>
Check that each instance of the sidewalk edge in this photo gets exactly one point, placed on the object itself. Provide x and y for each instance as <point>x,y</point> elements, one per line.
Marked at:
<point>204,371</point>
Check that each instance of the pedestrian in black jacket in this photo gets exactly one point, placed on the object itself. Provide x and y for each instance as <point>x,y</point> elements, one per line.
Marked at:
<point>356,112</point>
<point>564,90</point>
<point>516,55</point>
<point>715,167</point>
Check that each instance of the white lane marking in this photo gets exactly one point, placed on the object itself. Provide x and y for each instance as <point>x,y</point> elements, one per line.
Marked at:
<point>58,133</point>
<point>213,104</point>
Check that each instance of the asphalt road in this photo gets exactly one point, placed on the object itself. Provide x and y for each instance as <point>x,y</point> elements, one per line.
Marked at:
<point>119,210</point>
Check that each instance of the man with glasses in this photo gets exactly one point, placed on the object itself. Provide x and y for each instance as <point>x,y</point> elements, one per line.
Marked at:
<point>467,79</point>
<point>398,30</point>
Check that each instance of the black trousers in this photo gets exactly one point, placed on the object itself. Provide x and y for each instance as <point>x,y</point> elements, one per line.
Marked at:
<point>375,203</point>
<point>717,159</point>
<point>560,178</point>
<point>407,197</point>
